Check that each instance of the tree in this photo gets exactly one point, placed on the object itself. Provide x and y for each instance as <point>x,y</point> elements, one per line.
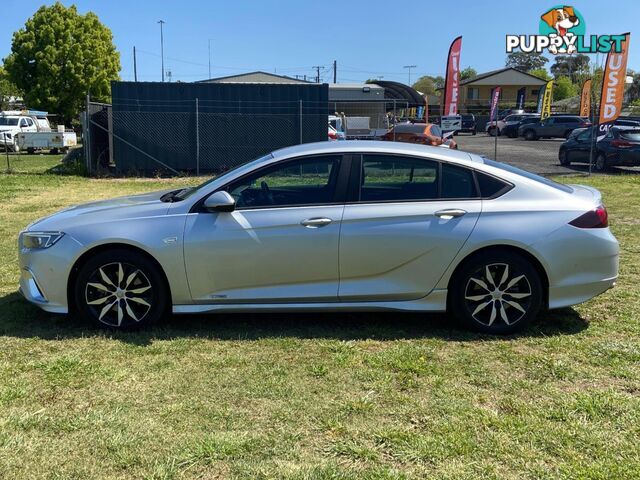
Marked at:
<point>564,88</point>
<point>468,73</point>
<point>7,89</point>
<point>572,66</point>
<point>59,56</point>
<point>540,73</point>
<point>633,91</point>
<point>526,61</point>
<point>429,85</point>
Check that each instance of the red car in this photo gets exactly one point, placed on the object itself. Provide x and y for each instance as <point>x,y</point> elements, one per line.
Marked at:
<point>423,133</point>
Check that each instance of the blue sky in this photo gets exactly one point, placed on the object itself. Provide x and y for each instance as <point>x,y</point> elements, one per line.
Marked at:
<point>368,38</point>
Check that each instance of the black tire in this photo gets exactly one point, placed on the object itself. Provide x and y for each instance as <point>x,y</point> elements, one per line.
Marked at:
<point>492,131</point>
<point>567,134</point>
<point>475,305</point>
<point>473,133</point>
<point>530,135</point>
<point>31,150</point>
<point>563,156</point>
<point>142,279</point>
<point>601,164</point>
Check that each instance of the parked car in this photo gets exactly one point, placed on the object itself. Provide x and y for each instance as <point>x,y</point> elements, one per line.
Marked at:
<point>508,125</point>
<point>468,124</point>
<point>14,122</point>
<point>556,126</point>
<point>621,146</point>
<point>511,129</point>
<point>330,226</point>
<point>422,133</point>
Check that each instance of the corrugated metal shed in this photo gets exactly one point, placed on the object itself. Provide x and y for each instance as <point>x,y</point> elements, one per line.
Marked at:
<point>210,127</point>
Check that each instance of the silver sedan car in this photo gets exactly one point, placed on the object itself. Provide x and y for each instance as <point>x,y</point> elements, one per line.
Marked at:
<point>330,226</point>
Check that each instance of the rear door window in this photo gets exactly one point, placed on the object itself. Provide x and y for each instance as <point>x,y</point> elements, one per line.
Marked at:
<point>388,178</point>
<point>457,182</point>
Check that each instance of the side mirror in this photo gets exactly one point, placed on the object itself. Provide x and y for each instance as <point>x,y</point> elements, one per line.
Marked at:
<point>220,202</point>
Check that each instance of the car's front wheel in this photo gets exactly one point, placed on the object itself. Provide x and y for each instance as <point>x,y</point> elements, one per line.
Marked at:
<point>563,156</point>
<point>497,293</point>
<point>120,289</point>
<point>530,135</point>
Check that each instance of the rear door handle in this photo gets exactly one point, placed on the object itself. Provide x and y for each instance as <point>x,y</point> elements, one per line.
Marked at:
<point>316,222</point>
<point>450,213</point>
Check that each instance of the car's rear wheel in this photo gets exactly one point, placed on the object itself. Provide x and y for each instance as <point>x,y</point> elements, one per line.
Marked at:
<point>563,156</point>
<point>530,135</point>
<point>497,293</point>
<point>493,131</point>
<point>601,163</point>
<point>121,290</point>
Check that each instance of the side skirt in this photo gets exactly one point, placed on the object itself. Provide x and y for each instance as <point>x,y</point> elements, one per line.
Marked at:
<point>436,301</point>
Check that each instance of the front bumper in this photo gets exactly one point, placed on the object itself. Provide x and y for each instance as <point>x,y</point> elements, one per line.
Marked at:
<point>31,291</point>
<point>44,274</point>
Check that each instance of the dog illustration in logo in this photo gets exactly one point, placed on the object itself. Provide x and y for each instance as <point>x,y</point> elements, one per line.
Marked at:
<point>561,20</point>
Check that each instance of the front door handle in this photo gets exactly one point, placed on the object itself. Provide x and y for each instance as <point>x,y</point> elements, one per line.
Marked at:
<point>450,213</point>
<point>316,222</point>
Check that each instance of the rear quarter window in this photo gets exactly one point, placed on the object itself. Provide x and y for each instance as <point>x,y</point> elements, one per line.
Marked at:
<point>529,175</point>
<point>490,186</point>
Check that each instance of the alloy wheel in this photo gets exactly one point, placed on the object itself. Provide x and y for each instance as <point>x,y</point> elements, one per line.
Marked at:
<point>497,293</point>
<point>118,293</point>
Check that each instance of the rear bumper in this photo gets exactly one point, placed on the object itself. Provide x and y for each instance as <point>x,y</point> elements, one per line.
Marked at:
<point>567,295</point>
<point>581,264</point>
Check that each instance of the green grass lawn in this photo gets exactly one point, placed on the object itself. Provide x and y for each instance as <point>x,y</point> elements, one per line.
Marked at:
<point>331,396</point>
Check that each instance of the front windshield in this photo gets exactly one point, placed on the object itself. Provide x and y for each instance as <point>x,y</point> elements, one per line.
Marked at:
<point>8,121</point>
<point>187,192</point>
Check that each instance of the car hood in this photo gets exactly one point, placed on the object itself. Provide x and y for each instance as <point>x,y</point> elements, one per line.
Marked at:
<point>121,208</point>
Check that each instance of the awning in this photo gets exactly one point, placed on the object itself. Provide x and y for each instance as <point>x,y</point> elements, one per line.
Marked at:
<point>404,94</point>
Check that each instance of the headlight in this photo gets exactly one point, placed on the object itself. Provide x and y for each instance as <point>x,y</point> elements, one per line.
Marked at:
<point>39,240</point>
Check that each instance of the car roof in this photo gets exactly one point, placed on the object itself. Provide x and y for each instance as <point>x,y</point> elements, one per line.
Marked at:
<point>375,146</point>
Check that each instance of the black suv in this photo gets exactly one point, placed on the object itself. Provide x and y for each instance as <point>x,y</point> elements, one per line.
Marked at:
<point>468,124</point>
<point>557,126</point>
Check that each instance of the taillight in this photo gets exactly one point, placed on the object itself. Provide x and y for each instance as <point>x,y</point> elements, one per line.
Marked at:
<point>596,218</point>
<point>333,136</point>
<point>619,143</point>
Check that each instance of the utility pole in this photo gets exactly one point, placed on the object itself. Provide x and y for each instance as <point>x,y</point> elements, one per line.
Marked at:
<point>409,67</point>
<point>135,66</point>
<point>209,58</point>
<point>335,71</point>
<point>162,22</point>
<point>318,67</point>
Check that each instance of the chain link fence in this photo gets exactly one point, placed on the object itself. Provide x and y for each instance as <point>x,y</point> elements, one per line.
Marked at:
<point>199,138</point>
